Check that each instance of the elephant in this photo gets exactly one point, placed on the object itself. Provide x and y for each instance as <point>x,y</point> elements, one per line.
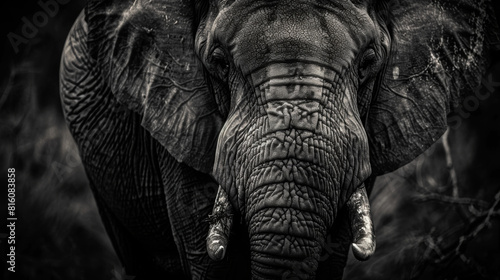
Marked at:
<point>240,139</point>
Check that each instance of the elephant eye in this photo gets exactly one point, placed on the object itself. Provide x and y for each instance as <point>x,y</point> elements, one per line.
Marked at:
<point>367,64</point>
<point>219,63</point>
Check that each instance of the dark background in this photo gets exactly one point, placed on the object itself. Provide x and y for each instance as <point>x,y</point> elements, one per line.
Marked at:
<point>436,218</point>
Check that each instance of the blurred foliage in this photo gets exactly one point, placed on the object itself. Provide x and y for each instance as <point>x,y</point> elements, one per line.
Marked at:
<point>430,224</point>
<point>439,216</point>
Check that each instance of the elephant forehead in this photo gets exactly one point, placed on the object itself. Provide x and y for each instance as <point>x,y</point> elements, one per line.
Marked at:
<point>261,32</point>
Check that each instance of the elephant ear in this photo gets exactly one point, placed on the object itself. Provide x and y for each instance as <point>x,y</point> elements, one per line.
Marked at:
<point>146,56</point>
<point>439,53</point>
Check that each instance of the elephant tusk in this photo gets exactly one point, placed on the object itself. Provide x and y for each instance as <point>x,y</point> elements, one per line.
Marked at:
<point>363,245</point>
<point>220,226</point>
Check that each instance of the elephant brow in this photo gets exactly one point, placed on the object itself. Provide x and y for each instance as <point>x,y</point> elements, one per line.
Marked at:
<point>283,74</point>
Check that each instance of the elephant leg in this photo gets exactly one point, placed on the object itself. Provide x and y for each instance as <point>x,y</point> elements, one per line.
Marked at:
<point>189,198</point>
<point>136,260</point>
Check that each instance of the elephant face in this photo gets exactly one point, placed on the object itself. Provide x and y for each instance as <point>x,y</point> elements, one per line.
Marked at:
<point>290,105</point>
<point>293,148</point>
<point>290,76</point>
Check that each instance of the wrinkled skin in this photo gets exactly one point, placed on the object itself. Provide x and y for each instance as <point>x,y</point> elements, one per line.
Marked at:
<point>293,147</point>
<point>289,106</point>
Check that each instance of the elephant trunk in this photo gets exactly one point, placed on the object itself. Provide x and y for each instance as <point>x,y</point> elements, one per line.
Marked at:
<point>285,242</point>
<point>287,239</point>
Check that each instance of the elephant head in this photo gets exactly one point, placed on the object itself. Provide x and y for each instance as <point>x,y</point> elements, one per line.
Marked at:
<point>291,105</point>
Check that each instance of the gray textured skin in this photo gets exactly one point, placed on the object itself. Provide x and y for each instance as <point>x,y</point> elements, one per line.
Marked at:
<point>293,147</point>
<point>270,99</point>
